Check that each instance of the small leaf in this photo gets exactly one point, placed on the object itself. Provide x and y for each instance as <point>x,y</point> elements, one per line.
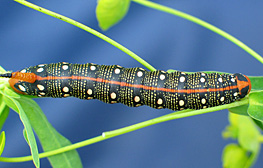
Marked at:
<point>243,129</point>
<point>256,82</point>
<point>234,156</point>
<point>2,142</point>
<point>25,136</point>
<point>8,101</point>
<point>231,131</point>
<point>258,123</point>
<point>255,108</point>
<point>4,112</point>
<point>15,105</point>
<point>248,134</point>
<point>49,138</point>
<point>11,93</point>
<point>242,110</point>
<point>110,12</point>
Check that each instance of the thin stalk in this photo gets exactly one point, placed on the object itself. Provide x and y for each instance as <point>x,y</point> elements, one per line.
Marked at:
<point>201,23</point>
<point>114,133</point>
<point>88,29</point>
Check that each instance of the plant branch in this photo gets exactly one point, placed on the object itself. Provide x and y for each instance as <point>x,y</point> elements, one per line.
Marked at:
<point>88,29</point>
<point>114,133</point>
<point>201,23</point>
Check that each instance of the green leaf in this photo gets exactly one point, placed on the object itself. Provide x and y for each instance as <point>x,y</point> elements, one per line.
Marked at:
<point>4,111</point>
<point>11,93</point>
<point>231,131</point>
<point>256,82</point>
<point>242,110</point>
<point>243,129</point>
<point>49,138</point>
<point>248,135</point>
<point>110,12</point>
<point>13,103</point>
<point>2,142</point>
<point>234,156</point>
<point>258,123</point>
<point>30,113</point>
<point>255,108</point>
<point>25,136</point>
<point>8,101</point>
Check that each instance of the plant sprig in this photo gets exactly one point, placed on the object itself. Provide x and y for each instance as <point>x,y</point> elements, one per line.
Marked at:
<point>201,23</point>
<point>172,116</point>
<point>88,29</point>
<point>114,133</point>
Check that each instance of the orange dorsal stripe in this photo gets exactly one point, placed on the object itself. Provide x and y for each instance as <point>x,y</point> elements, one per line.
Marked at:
<point>124,84</point>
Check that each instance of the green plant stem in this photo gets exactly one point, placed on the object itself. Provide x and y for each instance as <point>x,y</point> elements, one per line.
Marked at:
<point>202,23</point>
<point>114,133</point>
<point>88,29</point>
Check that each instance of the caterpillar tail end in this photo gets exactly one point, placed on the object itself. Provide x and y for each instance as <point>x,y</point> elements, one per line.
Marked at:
<point>243,84</point>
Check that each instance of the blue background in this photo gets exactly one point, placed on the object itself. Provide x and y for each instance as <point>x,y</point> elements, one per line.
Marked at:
<point>28,38</point>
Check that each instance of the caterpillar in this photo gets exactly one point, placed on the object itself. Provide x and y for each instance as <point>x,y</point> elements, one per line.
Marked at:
<point>131,86</point>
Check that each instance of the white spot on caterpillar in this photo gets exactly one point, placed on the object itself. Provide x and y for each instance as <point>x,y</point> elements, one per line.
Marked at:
<point>203,101</point>
<point>22,88</point>
<point>139,74</point>
<point>42,93</point>
<point>220,80</point>
<point>89,92</point>
<point>202,80</point>
<point>233,79</point>
<point>235,94</point>
<point>181,102</point>
<point>113,95</point>
<point>182,79</point>
<point>23,71</point>
<point>137,99</point>
<point>202,74</point>
<point>65,67</point>
<point>65,89</point>
<point>160,101</point>
<point>117,71</point>
<point>41,65</point>
<point>162,76</point>
<point>40,69</point>
<point>40,87</point>
<point>92,67</point>
<point>222,99</point>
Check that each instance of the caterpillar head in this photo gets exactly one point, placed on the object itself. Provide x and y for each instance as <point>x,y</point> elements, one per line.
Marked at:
<point>21,82</point>
<point>243,84</point>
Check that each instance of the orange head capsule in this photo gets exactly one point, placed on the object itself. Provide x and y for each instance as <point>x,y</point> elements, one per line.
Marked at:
<point>243,84</point>
<point>17,77</point>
